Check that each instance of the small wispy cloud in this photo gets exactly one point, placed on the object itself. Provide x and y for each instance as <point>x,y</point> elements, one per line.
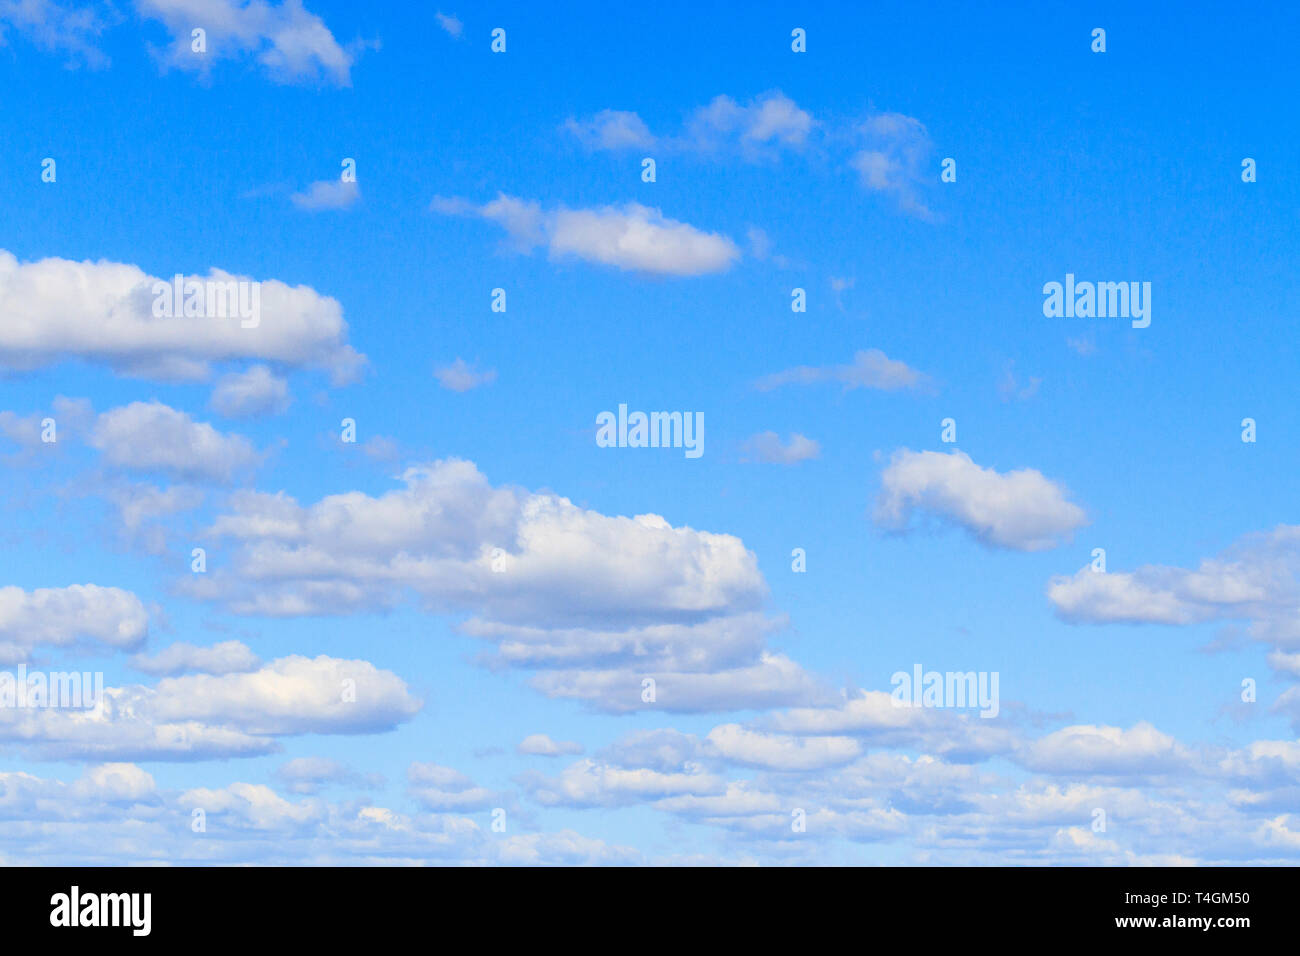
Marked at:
<point>327,194</point>
<point>871,368</point>
<point>459,376</point>
<point>767,448</point>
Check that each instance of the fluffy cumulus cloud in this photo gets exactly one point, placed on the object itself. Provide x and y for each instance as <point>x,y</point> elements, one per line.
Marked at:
<point>1085,749</point>
<point>1257,580</point>
<point>631,237</point>
<point>290,42</point>
<point>596,604</point>
<point>62,616</point>
<point>206,716</point>
<point>104,313</point>
<point>252,393</point>
<point>154,438</point>
<point>1020,510</point>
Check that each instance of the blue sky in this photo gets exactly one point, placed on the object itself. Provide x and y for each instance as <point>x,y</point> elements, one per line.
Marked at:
<point>775,170</point>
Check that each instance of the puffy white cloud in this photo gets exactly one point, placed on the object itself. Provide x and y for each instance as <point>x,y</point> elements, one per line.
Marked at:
<point>1118,597</point>
<point>1021,510</point>
<point>1086,749</point>
<point>560,564</point>
<point>251,393</point>
<point>291,43</point>
<point>61,616</point>
<point>102,312</point>
<point>227,657</point>
<point>871,368</point>
<point>203,716</point>
<point>766,447</point>
<point>290,695</point>
<point>876,718</point>
<point>1257,579</point>
<point>153,437</point>
<point>631,237</point>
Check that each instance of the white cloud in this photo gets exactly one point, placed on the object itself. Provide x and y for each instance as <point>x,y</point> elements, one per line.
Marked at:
<point>631,237</point>
<point>540,745</point>
<point>291,43</point>
<point>1021,510</point>
<point>309,775</point>
<point>152,437</point>
<point>443,789</point>
<point>459,376</point>
<point>773,680</point>
<point>290,695</point>
<point>102,312</point>
<point>450,23</point>
<point>203,717</point>
<point>1257,579</point>
<point>590,783</point>
<point>52,26</point>
<point>892,158</point>
<point>227,657</point>
<point>767,447</point>
<point>249,394</point>
<point>870,369</point>
<point>781,751</point>
<point>755,130</point>
<point>1085,749</point>
<point>327,194</point>
<point>772,119</point>
<point>596,602</point>
<point>612,130</point>
<point>61,616</point>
